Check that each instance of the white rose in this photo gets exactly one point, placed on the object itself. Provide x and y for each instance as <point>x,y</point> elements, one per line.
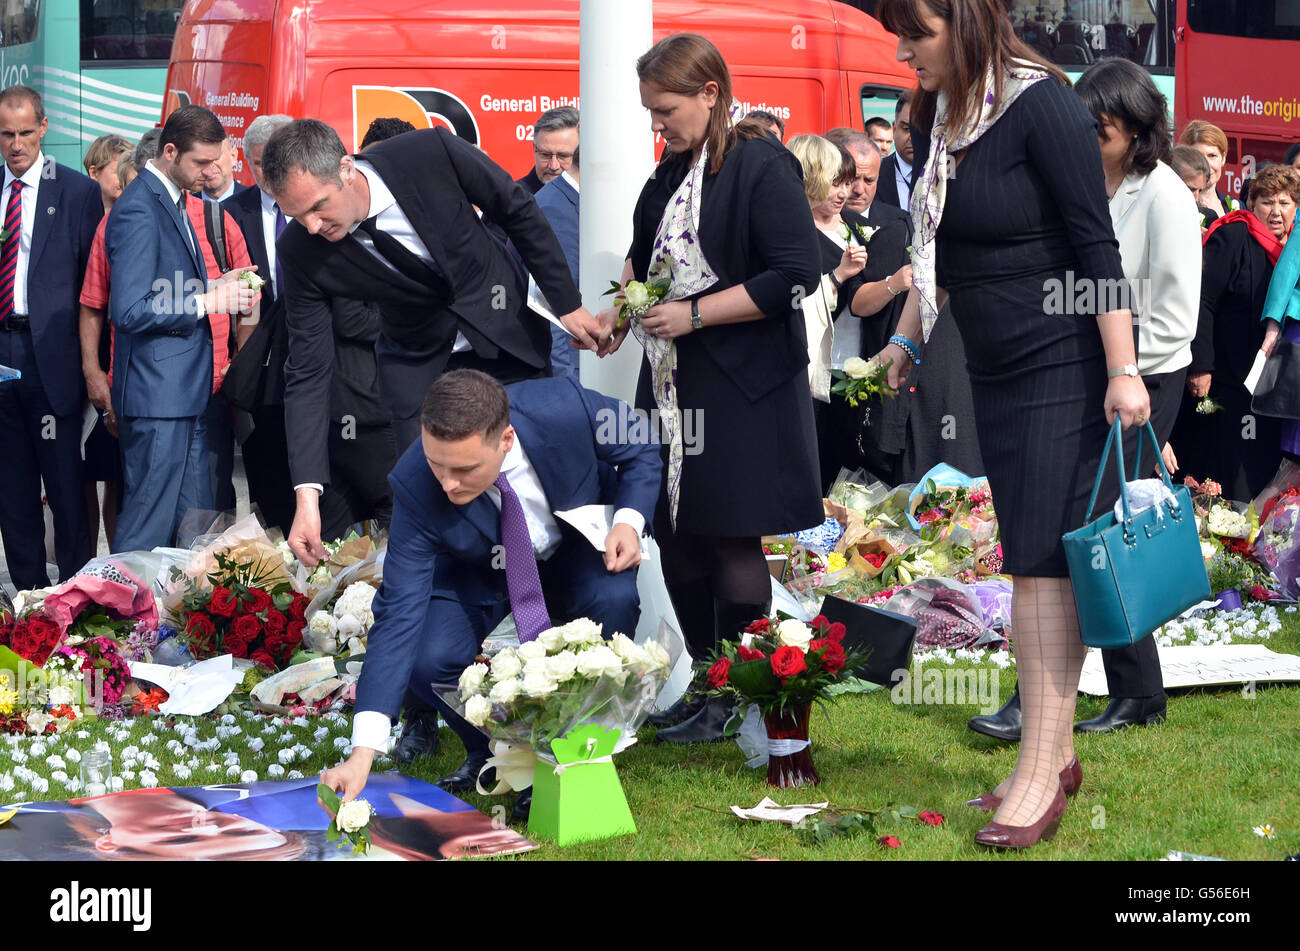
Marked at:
<point>478,710</point>
<point>658,655</point>
<point>552,639</point>
<point>532,650</point>
<point>622,645</point>
<point>60,694</point>
<point>505,691</point>
<point>323,624</point>
<point>506,665</point>
<point>356,645</point>
<point>599,660</point>
<point>471,681</point>
<point>636,294</point>
<point>354,815</point>
<point>537,684</point>
<point>562,666</point>
<point>858,369</point>
<point>794,633</point>
<point>582,631</point>
<point>321,577</point>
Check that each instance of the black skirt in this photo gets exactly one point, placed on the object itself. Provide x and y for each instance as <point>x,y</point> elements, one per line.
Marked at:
<point>1039,389</point>
<point>749,468</point>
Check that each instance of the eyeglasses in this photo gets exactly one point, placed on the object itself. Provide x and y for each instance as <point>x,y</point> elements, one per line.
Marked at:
<point>564,158</point>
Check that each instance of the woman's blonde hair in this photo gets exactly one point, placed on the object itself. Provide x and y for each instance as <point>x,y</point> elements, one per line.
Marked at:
<point>824,164</point>
<point>104,151</point>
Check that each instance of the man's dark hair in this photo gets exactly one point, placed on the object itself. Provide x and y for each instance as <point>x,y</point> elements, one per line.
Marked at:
<point>189,126</point>
<point>21,93</point>
<point>876,122</point>
<point>382,129</point>
<point>465,403</point>
<point>304,145</point>
<point>554,120</point>
<point>762,115</point>
<point>1291,154</point>
<point>853,140</point>
<point>904,99</point>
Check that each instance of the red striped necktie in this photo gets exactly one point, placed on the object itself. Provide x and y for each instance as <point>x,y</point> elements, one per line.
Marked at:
<point>9,256</point>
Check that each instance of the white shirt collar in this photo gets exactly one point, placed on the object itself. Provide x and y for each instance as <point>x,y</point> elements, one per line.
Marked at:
<point>571,180</point>
<point>31,178</point>
<point>514,457</point>
<point>172,189</point>
<point>381,198</point>
<point>903,164</point>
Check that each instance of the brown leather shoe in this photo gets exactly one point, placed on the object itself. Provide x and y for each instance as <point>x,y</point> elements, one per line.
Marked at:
<point>1071,779</point>
<point>995,835</point>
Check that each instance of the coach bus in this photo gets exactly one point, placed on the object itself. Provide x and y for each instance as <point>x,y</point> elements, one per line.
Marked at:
<point>99,64</point>
<point>1239,67</point>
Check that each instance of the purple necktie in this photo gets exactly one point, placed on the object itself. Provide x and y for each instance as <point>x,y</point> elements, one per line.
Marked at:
<point>522,580</point>
<point>280,224</point>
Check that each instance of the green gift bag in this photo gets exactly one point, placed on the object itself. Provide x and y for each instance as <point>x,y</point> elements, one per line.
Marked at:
<point>579,797</point>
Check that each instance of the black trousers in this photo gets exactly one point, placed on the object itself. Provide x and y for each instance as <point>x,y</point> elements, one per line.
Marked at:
<point>39,447</point>
<point>360,459</point>
<point>1134,671</point>
<point>266,464</point>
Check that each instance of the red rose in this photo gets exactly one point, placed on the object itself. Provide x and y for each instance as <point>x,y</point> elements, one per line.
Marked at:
<point>222,602</point>
<point>263,659</point>
<point>274,622</point>
<point>248,628</point>
<point>836,632</point>
<point>748,653</point>
<point>200,626</point>
<point>832,657</point>
<point>294,631</point>
<point>819,623</point>
<point>235,645</point>
<point>888,841</point>
<point>788,661</point>
<point>875,559</point>
<point>718,672</point>
<point>298,608</point>
<point>257,601</point>
<point>761,626</point>
<point>931,818</point>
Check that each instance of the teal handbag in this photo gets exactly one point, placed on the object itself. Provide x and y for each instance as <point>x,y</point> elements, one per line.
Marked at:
<point>1132,576</point>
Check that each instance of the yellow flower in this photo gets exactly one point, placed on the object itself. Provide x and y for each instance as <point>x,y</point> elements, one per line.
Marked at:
<point>8,697</point>
<point>835,561</point>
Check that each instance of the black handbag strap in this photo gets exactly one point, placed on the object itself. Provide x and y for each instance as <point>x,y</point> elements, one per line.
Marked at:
<point>1116,437</point>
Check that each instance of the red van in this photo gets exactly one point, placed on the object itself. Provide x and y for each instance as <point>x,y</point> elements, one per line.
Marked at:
<point>488,74</point>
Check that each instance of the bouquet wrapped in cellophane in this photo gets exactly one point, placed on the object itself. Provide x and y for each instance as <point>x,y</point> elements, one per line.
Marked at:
<point>540,691</point>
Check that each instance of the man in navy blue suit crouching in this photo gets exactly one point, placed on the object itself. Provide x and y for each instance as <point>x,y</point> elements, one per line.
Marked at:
<point>474,538</point>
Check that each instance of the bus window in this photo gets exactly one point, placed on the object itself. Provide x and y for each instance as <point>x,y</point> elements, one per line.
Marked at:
<point>878,101</point>
<point>1257,19</point>
<point>128,30</point>
<point>18,21</point>
<point>1076,34</point>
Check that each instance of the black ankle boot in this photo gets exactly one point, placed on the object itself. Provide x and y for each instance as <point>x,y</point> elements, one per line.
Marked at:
<point>705,727</point>
<point>1003,725</point>
<point>690,703</point>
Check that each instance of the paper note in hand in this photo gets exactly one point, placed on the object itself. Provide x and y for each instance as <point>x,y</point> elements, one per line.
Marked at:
<point>1252,378</point>
<point>594,522</point>
<point>537,301</point>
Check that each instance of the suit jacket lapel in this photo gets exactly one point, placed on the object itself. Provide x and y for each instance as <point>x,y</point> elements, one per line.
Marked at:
<point>547,463</point>
<point>1126,197</point>
<point>412,205</point>
<point>182,224</point>
<point>47,197</point>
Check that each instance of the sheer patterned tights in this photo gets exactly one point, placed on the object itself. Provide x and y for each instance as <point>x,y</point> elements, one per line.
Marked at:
<point>1049,658</point>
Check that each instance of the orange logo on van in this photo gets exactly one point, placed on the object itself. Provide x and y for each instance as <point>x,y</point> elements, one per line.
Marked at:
<point>424,108</point>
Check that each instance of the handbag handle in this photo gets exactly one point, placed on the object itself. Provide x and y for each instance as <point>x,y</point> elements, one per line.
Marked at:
<point>1117,439</point>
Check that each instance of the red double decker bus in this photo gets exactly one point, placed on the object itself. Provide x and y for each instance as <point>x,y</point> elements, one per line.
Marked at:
<point>1237,64</point>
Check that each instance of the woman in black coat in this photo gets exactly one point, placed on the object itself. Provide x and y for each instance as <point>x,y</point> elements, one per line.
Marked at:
<point>725,219</point>
<point>1237,448</point>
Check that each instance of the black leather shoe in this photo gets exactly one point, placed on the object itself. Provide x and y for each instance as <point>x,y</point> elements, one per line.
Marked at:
<point>463,778</point>
<point>705,727</point>
<point>419,737</point>
<point>690,704</point>
<point>1003,725</point>
<point>523,802</point>
<point>1125,711</point>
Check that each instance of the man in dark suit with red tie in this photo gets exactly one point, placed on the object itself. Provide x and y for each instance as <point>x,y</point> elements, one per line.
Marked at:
<point>398,226</point>
<point>50,216</point>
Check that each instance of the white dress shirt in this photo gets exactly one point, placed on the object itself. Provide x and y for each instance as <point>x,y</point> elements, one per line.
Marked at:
<point>268,239</point>
<point>370,728</point>
<point>174,191</point>
<point>31,180</point>
<point>1159,233</point>
<point>903,179</point>
<point>230,190</point>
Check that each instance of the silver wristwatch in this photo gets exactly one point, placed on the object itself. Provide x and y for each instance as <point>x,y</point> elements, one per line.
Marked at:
<point>1128,369</point>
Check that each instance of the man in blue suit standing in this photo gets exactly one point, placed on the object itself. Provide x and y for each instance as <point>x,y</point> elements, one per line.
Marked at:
<point>558,200</point>
<point>50,215</point>
<point>162,358</point>
<point>474,538</point>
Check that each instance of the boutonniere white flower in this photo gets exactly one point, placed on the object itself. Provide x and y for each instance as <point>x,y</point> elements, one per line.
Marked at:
<point>252,280</point>
<point>348,820</point>
<point>851,229</point>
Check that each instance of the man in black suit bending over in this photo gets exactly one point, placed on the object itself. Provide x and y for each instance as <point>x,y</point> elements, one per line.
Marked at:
<point>398,227</point>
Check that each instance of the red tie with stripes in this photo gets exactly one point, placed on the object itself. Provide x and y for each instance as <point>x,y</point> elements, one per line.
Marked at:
<point>9,256</point>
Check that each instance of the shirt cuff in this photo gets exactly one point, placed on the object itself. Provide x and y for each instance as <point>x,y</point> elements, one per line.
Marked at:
<point>630,517</point>
<point>310,485</point>
<point>200,310</point>
<point>371,729</point>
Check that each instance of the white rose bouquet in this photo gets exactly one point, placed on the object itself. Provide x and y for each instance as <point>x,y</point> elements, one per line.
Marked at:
<point>860,380</point>
<point>543,689</point>
<point>635,298</point>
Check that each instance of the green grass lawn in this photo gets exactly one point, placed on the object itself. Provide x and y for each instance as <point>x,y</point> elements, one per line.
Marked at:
<point>1220,765</point>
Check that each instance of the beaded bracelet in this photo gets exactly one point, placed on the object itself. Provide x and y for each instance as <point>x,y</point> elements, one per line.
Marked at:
<point>908,347</point>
